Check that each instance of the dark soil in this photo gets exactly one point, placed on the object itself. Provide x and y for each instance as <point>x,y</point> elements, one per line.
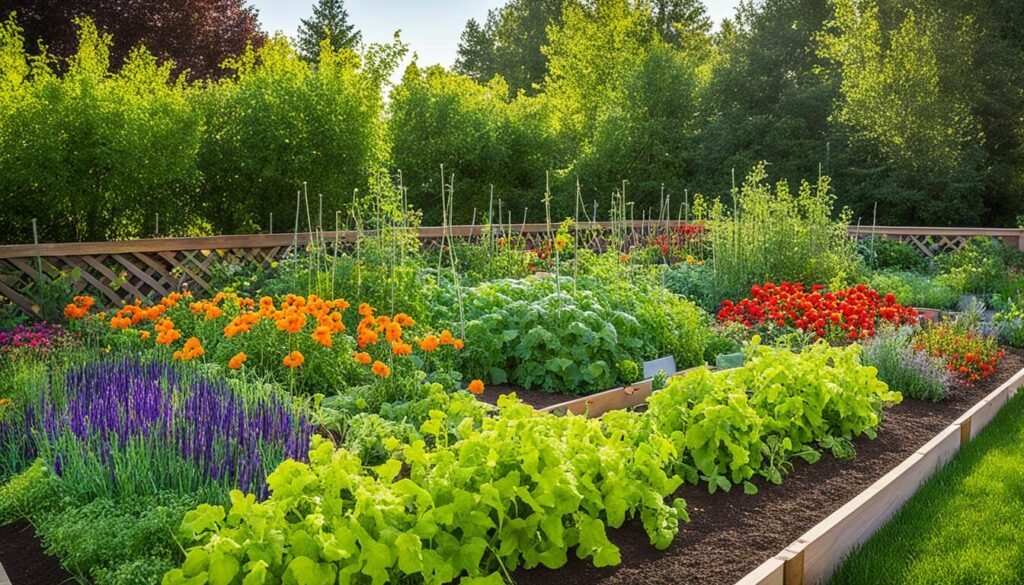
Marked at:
<point>535,398</point>
<point>23,559</point>
<point>730,534</point>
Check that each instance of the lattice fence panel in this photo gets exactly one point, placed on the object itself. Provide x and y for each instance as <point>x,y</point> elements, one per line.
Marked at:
<point>115,279</point>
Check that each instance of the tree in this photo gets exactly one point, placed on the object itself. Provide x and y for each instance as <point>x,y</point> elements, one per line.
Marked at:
<point>682,23</point>
<point>197,35</point>
<point>480,135</point>
<point>906,110</point>
<point>91,154</point>
<point>765,100</point>
<point>281,122</point>
<point>509,43</point>
<point>329,22</point>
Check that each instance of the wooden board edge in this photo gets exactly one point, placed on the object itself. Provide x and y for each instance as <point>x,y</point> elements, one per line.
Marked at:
<point>770,572</point>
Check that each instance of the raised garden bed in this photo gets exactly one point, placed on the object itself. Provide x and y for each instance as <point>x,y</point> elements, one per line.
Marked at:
<point>732,534</point>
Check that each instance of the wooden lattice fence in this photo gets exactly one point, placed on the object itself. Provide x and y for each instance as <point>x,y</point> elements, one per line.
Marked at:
<point>118,272</point>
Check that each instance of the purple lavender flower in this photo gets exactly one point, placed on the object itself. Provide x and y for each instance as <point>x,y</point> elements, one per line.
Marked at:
<point>142,421</point>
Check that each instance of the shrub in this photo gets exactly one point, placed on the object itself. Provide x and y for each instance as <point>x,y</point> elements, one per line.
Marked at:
<point>1010,323</point>
<point>886,254</point>
<point>92,154</point>
<point>777,236</point>
<point>916,290</point>
<point>911,371</point>
<point>983,266</point>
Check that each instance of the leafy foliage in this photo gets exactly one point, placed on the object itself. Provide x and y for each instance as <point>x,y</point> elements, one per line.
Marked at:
<point>197,35</point>
<point>779,236</point>
<point>751,421</point>
<point>520,491</point>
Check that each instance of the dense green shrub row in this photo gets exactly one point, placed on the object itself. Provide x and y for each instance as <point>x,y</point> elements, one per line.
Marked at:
<point>97,155</point>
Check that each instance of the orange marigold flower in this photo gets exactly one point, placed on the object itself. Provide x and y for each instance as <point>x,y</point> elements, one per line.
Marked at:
<point>293,360</point>
<point>401,348</point>
<point>446,337</point>
<point>362,357</point>
<point>292,323</point>
<point>381,369</point>
<point>322,335</point>
<point>429,343</point>
<point>193,349</point>
<point>213,312</point>
<point>366,337</point>
<point>623,258</point>
<point>144,335</point>
<point>164,325</point>
<point>235,363</point>
<point>365,310</point>
<point>476,387</point>
<point>404,320</point>
<point>120,323</point>
<point>393,332</point>
<point>79,307</point>
<point>458,344</point>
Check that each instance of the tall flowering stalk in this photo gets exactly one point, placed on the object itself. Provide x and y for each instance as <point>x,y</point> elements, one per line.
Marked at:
<point>127,427</point>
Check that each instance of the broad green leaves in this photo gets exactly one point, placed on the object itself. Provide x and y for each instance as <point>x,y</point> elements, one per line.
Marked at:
<point>753,420</point>
<point>523,490</point>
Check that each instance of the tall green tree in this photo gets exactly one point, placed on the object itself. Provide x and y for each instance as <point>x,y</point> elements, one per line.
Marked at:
<point>765,100</point>
<point>509,43</point>
<point>905,110</point>
<point>682,23</point>
<point>625,101</point>
<point>483,138</point>
<point>329,22</point>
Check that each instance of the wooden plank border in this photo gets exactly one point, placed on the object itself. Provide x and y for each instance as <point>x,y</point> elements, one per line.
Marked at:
<point>813,557</point>
<point>621,398</point>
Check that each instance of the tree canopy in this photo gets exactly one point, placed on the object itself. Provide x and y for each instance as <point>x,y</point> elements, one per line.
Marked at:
<point>197,35</point>
<point>329,22</point>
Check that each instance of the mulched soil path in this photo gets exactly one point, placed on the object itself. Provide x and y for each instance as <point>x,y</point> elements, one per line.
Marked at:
<point>730,534</point>
<point>23,559</point>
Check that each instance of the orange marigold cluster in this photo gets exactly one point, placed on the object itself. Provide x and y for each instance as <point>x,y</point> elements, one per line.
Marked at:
<point>192,350</point>
<point>79,307</point>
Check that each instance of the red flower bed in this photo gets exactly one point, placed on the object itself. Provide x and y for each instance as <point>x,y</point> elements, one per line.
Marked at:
<point>969,356</point>
<point>853,312</point>
<point>675,242</point>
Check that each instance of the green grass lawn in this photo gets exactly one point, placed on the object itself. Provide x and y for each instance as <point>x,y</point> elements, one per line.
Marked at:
<point>965,525</point>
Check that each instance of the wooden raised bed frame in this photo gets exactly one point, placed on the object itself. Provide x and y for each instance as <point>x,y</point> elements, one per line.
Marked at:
<point>813,557</point>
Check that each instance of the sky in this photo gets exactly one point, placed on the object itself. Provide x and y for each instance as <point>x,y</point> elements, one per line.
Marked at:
<point>431,28</point>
